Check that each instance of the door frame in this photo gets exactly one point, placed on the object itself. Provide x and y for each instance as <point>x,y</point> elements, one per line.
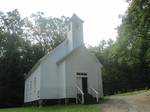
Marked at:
<point>82,76</point>
<point>85,85</point>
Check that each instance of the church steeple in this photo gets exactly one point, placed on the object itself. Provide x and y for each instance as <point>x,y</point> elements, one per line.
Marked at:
<point>75,32</point>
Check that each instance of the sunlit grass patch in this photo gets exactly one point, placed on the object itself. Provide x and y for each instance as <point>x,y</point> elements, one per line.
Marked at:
<point>61,108</point>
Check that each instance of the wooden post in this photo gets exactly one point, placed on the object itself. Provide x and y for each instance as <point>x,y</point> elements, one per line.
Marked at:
<point>82,98</point>
<point>40,103</point>
<point>66,101</point>
<point>77,100</point>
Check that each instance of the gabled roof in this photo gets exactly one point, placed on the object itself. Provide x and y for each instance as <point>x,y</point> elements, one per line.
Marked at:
<point>62,45</point>
<point>75,50</point>
<point>67,55</point>
<point>60,59</point>
<point>61,52</point>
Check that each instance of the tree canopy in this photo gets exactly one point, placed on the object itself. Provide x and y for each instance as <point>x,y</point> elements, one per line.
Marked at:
<point>23,41</point>
<point>127,61</point>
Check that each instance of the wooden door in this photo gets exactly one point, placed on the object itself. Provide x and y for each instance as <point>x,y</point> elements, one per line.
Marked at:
<point>84,85</point>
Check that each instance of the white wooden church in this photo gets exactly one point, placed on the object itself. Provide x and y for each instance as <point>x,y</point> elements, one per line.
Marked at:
<point>69,71</point>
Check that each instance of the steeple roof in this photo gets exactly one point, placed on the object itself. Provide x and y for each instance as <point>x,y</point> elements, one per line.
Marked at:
<point>75,17</point>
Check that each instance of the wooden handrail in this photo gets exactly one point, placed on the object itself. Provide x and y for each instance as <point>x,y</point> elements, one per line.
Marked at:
<point>96,93</point>
<point>80,90</point>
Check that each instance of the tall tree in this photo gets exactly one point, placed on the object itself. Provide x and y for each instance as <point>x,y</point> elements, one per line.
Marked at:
<point>20,49</point>
<point>46,31</point>
<point>127,61</point>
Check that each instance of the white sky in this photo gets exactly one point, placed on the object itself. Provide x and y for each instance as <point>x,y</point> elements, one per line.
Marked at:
<point>100,16</point>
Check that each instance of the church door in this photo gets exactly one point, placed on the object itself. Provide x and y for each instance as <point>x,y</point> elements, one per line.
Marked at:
<point>82,82</point>
<point>84,85</point>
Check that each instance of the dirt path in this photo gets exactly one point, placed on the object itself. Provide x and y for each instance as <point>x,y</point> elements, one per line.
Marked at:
<point>132,103</point>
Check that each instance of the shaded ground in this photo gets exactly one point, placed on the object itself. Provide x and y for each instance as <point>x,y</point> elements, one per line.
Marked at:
<point>132,103</point>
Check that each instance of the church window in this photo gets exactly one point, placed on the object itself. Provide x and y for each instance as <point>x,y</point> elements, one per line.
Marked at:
<point>30,88</point>
<point>30,85</point>
<point>82,74</point>
<point>69,27</point>
<point>27,90</point>
<point>38,93</point>
<point>34,82</point>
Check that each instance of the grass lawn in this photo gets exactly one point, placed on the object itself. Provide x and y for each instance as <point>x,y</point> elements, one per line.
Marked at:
<point>62,108</point>
<point>131,93</point>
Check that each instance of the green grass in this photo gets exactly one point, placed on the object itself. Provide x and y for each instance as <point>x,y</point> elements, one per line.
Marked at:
<point>131,93</point>
<point>62,108</point>
<point>104,99</point>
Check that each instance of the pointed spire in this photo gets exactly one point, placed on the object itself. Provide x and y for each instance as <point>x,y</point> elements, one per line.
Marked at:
<point>75,17</point>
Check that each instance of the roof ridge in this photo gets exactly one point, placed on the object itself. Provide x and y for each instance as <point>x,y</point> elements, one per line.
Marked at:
<point>36,65</point>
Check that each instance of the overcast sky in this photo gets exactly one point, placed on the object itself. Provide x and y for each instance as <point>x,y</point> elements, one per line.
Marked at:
<point>100,16</point>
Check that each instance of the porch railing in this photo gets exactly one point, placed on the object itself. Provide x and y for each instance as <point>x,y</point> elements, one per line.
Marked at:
<point>82,94</point>
<point>96,94</point>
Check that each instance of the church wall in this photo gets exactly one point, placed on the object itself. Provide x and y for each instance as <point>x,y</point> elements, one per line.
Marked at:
<point>59,52</point>
<point>81,61</point>
<point>62,80</point>
<point>32,86</point>
<point>49,80</point>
